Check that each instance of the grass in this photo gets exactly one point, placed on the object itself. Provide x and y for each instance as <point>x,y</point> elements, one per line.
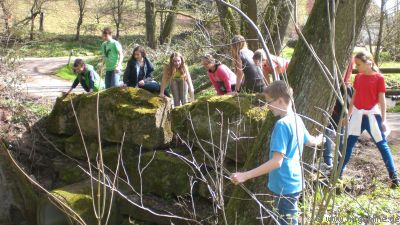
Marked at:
<point>66,72</point>
<point>381,202</point>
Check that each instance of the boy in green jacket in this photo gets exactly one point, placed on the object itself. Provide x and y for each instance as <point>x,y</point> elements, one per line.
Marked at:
<point>86,76</point>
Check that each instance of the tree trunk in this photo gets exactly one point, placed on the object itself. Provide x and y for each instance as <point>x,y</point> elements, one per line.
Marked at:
<point>41,21</point>
<point>227,20</point>
<point>150,24</point>
<point>311,90</point>
<point>78,26</point>
<point>169,25</point>
<point>276,19</point>
<point>250,8</point>
<point>31,33</point>
<point>7,16</point>
<point>380,33</point>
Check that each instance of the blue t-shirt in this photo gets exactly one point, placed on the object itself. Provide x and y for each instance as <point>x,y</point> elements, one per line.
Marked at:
<point>285,139</point>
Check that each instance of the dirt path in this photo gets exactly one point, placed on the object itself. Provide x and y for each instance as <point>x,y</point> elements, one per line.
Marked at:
<point>40,79</point>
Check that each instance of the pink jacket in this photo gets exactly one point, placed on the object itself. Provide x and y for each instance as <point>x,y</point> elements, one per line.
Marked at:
<point>225,75</point>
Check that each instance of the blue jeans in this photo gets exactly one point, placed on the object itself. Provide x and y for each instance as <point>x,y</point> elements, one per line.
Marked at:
<point>328,145</point>
<point>153,87</point>
<point>112,78</point>
<point>287,208</point>
<point>382,145</point>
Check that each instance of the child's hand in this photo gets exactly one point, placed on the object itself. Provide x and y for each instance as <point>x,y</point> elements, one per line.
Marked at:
<point>238,178</point>
<point>320,140</point>
<point>384,126</point>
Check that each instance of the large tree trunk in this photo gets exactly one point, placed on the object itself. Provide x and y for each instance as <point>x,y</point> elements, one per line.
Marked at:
<point>227,20</point>
<point>380,33</point>
<point>311,90</point>
<point>276,19</point>
<point>151,24</point>
<point>250,8</point>
<point>169,25</point>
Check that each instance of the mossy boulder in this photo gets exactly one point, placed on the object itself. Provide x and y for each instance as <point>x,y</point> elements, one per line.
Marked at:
<point>78,197</point>
<point>62,119</point>
<point>165,175</point>
<point>160,206</point>
<point>221,123</point>
<point>141,115</point>
<point>76,148</point>
<point>67,172</point>
<point>17,196</point>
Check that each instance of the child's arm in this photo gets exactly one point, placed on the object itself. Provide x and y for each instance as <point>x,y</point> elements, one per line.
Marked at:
<point>274,163</point>
<point>382,105</point>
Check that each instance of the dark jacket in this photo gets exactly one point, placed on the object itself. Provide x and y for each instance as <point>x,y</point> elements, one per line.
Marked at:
<point>131,75</point>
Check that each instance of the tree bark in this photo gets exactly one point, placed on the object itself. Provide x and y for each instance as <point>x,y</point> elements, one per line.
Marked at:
<point>250,8</point>
<point>169,25</point>
<point>227,20</point>
<point>276,19</point>
<point>82,8</point>
<point>7,15</point>
<point>117,13</point>
<point>311,90</point>
<point>150,24</point>
<point>380,33</point>
<point>41,22</point>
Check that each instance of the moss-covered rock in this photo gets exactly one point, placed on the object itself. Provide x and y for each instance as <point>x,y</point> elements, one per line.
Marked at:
<point>79,198</point>
<point>165,175</point>
<point>17,196</point>
<point>61,119</point>
<point>235,122</point>
<point>141,115</point>
<point>75,147</point>
<point>67,172</point>
<point>161,206</point>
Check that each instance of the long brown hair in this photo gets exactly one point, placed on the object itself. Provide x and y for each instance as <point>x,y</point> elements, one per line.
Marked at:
<point>366,57</point>
<point>172,69</point>
<point>238,43</point>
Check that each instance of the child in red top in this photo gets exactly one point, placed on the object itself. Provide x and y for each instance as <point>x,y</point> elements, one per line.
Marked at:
<point>368,112</point>
<point>222,78</point>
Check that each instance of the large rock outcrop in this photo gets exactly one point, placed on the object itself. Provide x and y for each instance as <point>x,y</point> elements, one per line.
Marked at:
<point>221,123</point>
<point>141,115</point>
<point>171,174</point>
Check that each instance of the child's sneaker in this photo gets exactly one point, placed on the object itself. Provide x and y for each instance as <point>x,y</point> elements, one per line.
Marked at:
<point>395,180</point>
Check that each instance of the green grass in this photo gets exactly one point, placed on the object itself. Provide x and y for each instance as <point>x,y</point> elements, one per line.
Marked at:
<point>287,53</point>
<point>66,72</point>
<point>382,202</point>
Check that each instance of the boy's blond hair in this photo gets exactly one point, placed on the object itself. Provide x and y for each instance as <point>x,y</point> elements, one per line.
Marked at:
<point>279,89</point>
<point>259,55</point>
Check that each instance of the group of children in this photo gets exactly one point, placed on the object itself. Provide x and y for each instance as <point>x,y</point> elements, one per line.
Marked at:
<point>252,74</point>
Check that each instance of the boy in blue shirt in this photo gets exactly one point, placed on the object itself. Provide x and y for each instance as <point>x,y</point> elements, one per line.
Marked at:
<point>286,146</point>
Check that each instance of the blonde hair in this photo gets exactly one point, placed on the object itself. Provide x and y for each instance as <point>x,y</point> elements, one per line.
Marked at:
<point>171,67</point>
<point>279,89</point>
<point>366,57</point>
<point>238,43</point>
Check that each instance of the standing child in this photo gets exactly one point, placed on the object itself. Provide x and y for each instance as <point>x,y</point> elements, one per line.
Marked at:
<point>368,112</point>
<point>112,58</point>
<point>249,77</point>
<point>177,75</point>
<point>284,167</point>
